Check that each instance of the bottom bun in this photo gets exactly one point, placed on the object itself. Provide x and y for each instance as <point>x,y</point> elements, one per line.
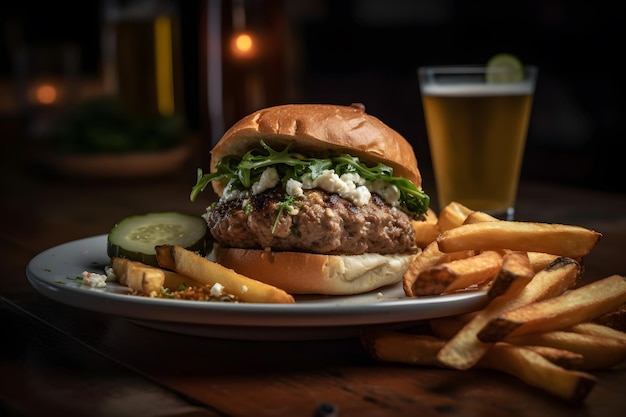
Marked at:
<point>307,273</point>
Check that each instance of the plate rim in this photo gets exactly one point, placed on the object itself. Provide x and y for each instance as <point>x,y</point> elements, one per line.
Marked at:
<point>332,311</point>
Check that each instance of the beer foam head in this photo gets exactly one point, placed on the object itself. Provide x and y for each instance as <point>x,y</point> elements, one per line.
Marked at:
<point>481,89</point>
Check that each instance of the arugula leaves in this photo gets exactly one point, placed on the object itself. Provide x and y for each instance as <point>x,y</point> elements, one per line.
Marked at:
<point>241,172</point>
<point>287,204</point>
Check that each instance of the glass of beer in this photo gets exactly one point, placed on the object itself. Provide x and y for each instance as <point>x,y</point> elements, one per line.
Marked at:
<point>477,120</point>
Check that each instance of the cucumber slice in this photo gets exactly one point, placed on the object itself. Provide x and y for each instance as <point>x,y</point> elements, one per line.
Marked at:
<point>136,236</point>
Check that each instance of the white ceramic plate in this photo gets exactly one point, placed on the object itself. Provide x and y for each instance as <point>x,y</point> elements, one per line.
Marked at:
<point>53,273</point>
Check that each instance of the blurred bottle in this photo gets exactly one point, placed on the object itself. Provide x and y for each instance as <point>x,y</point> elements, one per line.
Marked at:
<point>142,62</point>
<point>242,60</point>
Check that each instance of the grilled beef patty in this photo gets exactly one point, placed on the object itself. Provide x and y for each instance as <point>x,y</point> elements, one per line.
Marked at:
<point>320,222</point>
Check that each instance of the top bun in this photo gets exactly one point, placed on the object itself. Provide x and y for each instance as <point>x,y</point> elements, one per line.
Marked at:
<point>320,130</point>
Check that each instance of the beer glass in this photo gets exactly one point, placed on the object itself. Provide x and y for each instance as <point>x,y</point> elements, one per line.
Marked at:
<point>477,120</point>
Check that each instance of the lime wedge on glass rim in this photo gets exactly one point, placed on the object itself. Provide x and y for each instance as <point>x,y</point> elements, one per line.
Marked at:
<point>504,68</point>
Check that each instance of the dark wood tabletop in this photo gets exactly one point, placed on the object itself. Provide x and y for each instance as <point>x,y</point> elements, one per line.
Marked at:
<point>60,360</point>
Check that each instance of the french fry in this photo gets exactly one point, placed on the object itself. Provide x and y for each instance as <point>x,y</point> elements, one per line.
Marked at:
<point>148,279</point>
<point>465,349</point>
<point>453,215</point>
<point>525,363</point>
<point>616,319</point>
<point>174,281</point>
<point>581,304</point>
<point>557,239</point>
<point>479,217</point>
<point>561,357</point>
<point>502,283</point>
<point>407,348</point>
<point>483,286</point>
<point>138,276</point>
<point>595,329</point>
<point>246,289</point>
<point>427,230</point>
<point>537,371</point>
<point>599,352</point>
<point>463,273</point>
<point>539,260</point>
<point>515,272</point>
<point>430,255</point>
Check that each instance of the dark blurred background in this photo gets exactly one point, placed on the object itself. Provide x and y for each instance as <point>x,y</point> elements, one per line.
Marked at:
<point>325,51</point>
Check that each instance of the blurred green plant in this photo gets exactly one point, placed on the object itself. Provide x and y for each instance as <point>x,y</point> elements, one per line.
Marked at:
<point>101,125</point>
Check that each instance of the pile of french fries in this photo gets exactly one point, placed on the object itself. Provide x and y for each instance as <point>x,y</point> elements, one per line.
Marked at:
<point>538,323</point>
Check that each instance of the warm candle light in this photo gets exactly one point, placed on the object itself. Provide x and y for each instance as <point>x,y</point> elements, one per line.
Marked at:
<point>243,45</point>
<point>244,42</point>
<point>46,94</point>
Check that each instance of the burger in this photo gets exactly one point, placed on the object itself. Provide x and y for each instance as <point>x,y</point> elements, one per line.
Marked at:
<point>314,199</point>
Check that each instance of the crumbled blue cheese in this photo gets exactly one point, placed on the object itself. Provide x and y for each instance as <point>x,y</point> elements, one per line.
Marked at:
<point>350,186</point>
<point>217,290</point>
<point>231,193</point>
<point>388,192</point>
<point>110,273</point>
<point>294,188</point>
<point>94,280</point>
<point>269,179</point>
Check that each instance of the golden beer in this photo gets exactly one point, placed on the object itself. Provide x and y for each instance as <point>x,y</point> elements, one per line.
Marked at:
<point>142,61</point>
<point>477,134</point>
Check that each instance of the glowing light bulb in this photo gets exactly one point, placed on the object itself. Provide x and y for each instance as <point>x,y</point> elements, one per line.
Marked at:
<point>243,45</point>
<point>243,42</point>
<point>46,94</point>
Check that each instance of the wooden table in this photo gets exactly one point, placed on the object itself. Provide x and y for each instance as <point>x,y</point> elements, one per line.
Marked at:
<point>60,360</point>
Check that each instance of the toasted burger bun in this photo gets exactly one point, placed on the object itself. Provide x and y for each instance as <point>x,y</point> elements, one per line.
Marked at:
<point>315,128</point>
<point>319,130</point>
<point>307,273</point>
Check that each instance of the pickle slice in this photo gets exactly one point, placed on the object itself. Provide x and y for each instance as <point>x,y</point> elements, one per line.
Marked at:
<point>136,236</point>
